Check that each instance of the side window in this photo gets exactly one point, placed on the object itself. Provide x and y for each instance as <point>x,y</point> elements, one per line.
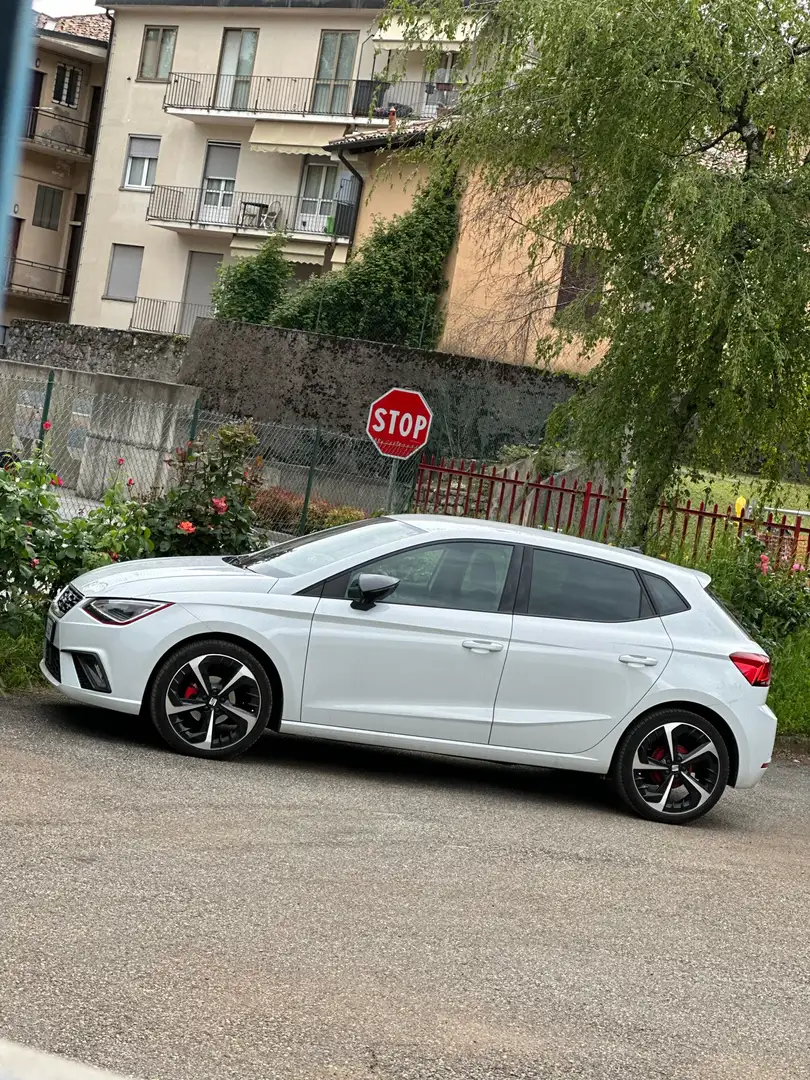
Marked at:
<point>665,597</point>
<point>577,587</point>
<point>66,85</point>
<point>463,574</point>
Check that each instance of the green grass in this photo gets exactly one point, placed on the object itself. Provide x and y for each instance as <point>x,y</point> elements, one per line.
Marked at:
<point>725,490</point>
<point>19,659</point>
<point>790,689</point>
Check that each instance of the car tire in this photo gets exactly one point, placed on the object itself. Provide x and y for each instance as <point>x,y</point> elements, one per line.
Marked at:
<point>693,772</point>
<point>211,698</point>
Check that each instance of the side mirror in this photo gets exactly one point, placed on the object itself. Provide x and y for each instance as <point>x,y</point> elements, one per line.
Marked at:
<point>368,589</point>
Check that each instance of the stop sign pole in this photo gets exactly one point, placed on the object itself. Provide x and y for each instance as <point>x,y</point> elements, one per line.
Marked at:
<point>399,426</point>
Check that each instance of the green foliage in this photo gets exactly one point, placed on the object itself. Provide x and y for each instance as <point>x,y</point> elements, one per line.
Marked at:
<point>20,654</point>
<point>512,453</point>
<point>207,507</point>
<point>250,288</point>
<point>390,289</point>
<point>675,135</point>
<point>790,685</point>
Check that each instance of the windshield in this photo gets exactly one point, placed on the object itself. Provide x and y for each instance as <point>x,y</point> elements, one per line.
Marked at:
<point>320,550</point>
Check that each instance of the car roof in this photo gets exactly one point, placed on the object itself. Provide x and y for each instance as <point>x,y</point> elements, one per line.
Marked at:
<point>477,529</point>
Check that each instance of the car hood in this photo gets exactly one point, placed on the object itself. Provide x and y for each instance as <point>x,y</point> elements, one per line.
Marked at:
<point>158,577</point>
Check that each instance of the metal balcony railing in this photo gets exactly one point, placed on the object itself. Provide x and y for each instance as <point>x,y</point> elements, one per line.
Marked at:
<point>167,316</point>
<point>250,212</point>
<point>39,280</point>
<point>358,98</point>
<point>58,132</point>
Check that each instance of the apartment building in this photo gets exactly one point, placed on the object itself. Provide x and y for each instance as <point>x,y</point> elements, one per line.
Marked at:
<point>59,138</point>
<point>213,136</point>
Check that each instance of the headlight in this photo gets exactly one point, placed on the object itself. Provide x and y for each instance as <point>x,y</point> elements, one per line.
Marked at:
<point>119,612</point>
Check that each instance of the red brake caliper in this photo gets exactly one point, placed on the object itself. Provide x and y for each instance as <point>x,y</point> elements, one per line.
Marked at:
<point>190,691</point>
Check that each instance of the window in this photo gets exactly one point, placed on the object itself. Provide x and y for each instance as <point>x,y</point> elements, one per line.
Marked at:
<point>142,156</point>
<point>576,587</point>
<point>125,272</point>
<point>665,597</point>
<point>319,550</point>
<point>236,61</point>
<point>463,574</point>
<point>157,53</point>
<point>579,280</point>
<point>334,71</point>
<point>66,85</point>
<point>48,207</point>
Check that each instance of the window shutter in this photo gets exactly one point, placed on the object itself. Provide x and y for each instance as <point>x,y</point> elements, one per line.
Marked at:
<point>73,87</point>
<point>59,82</point>
<point>143,147</point>
<point>221,161</point>
<point>125,272</point>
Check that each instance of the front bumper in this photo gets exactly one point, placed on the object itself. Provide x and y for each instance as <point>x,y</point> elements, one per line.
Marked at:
<point>127,654</point>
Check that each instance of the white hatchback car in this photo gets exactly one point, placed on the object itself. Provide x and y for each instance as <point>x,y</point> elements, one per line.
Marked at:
<point>437,634</point>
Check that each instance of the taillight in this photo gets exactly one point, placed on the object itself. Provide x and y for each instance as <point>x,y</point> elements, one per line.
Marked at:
<point>755,667</point>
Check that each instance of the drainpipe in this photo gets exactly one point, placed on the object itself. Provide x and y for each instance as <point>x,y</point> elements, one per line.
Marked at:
<point>92,175</point>
<point>345,162</point>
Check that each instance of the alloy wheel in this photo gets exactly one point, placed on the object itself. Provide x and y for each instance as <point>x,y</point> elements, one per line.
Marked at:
<point>213,701</point>
<point>676,768</point>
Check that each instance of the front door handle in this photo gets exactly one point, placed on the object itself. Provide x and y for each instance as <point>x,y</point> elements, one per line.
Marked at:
<point>638,661</point>
<point>478,646</point>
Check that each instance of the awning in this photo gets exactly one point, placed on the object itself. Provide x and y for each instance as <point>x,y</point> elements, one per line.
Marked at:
<point>292,137</point>
<point>385,43</point>
<point>393,37</point>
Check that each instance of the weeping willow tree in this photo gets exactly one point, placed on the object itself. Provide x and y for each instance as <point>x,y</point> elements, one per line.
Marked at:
<point>675,139</point>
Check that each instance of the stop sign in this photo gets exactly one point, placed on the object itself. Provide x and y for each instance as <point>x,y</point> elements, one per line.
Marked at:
<point>399,423</point>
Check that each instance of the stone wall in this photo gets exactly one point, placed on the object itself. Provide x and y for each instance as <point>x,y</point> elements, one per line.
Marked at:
<point>94,348</point>
<point>294,377</point>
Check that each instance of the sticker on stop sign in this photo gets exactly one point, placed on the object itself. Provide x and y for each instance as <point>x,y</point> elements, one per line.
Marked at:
<point>399,423</point>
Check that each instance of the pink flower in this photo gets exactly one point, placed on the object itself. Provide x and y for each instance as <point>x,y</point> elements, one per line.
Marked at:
<point>797,566</point>
<point>120,461</point>
<point>46,426</point>
<point>186,527</point>
<point>130,482</point>
<point>114,556</point>
<point>57,481</point>
<point>35,562</point>
<point>220,505</point>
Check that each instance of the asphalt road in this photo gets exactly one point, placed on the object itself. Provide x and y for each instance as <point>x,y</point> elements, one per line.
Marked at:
<point>316,911</point>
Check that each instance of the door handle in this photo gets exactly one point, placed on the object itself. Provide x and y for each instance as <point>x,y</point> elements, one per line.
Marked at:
<point>639,661</point>
<point>478,646</point>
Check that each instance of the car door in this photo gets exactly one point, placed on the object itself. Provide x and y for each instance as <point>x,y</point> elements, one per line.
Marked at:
<point>426,662</point>
<point>585,649</point>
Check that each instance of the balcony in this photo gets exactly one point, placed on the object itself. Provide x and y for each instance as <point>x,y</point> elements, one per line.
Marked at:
<point>60,136</point>
<point>271,97</point>
<point>39,281</point>
<point>250,213</point>
<point>167,316</point>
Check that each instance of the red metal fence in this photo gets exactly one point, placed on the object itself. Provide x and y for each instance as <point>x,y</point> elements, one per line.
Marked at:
<point>590,510</point>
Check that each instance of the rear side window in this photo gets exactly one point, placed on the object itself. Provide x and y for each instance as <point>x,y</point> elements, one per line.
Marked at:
<point>587,590</point>
<point>665,597</point>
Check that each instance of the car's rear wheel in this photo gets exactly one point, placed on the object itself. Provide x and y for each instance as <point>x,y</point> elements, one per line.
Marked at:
<point>671,766</point>
<point>211,698</point>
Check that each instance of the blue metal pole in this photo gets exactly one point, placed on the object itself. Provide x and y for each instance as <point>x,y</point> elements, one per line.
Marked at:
<point>16,44</point>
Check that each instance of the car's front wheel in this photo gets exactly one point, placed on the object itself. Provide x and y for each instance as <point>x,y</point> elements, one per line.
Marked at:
<point>211,698</point>
<point>671,766</point>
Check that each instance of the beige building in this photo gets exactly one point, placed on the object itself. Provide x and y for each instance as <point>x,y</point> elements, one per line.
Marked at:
<point>212,137</point>
<point>59,137</point>
<point>493,308</point>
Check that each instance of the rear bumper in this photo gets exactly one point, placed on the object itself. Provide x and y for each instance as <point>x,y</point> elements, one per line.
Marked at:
<point>755,739</point>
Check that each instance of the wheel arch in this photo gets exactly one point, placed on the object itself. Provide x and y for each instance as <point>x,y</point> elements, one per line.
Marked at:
<point>272,671</point>
<point>707,714</point>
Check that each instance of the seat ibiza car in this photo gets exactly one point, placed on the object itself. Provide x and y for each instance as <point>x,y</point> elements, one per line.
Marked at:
<point>437,634</point>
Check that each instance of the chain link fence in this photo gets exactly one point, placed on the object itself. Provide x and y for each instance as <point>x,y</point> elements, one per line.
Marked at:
<point>310,477</point>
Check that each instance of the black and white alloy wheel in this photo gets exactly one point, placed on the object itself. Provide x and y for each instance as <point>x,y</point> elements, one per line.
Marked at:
<point>211,699</point>
<point>672,766</point>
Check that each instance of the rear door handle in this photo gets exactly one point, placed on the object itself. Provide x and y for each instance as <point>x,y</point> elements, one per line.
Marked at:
<point>639,661</point>
<point>476,645</point>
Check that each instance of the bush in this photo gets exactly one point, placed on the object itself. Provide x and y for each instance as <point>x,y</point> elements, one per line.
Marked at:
<point>20,654</point>
<point>249,289</point>
<point>207,508</point>
<point>390,289</point>
<point>789,697</point>
<point>280,510</point>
